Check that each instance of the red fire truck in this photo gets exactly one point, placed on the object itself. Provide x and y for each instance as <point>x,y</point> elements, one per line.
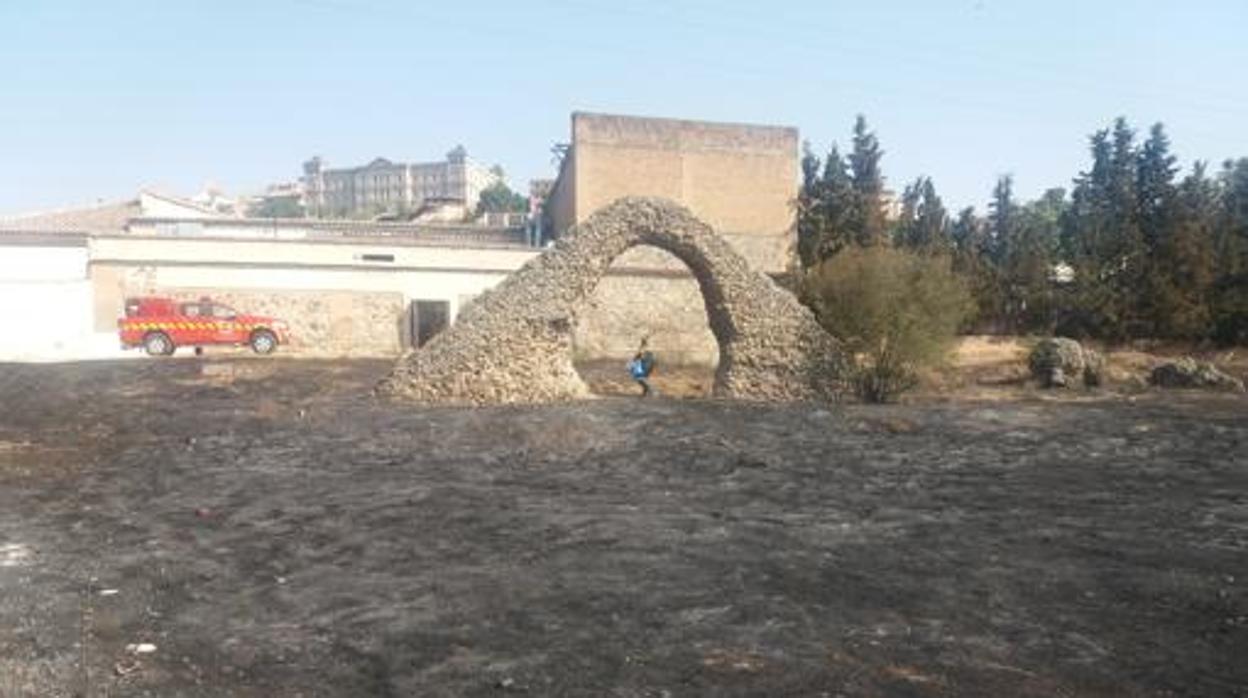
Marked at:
<point>161,325</point>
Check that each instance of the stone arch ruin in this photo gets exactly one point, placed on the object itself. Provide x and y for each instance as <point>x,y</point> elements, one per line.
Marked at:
<point>513,344</point>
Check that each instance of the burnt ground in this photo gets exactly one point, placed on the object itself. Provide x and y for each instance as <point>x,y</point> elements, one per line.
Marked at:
<point>273,531</point>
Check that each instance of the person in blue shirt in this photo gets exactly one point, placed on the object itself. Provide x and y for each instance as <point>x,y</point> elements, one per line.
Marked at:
<point>642,366</point>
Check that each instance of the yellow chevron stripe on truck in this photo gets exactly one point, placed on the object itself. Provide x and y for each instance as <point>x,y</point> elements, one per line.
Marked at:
<point>140,325</point>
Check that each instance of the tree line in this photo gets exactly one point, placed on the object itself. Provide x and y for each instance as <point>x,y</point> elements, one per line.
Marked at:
<point>1134,249</point>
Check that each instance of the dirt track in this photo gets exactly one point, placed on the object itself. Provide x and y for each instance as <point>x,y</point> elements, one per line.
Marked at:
<point>274,532</point>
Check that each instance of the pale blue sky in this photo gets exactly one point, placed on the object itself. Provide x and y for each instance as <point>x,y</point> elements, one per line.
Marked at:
<point>103,97</point>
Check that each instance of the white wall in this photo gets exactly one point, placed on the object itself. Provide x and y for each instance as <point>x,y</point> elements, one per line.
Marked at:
<point>42,263</point>
<point>56,313</point>
<point>48,321</point>
<point>45,303</point>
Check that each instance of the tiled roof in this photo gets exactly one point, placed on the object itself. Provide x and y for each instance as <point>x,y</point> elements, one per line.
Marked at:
<point>180,202</point>
<point>105,218</point>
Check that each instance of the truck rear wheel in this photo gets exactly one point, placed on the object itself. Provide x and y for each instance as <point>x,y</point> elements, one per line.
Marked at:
<point>158,344</point>
<point>263,342</point>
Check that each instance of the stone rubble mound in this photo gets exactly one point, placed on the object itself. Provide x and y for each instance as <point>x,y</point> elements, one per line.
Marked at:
<point>513,344</point>
<point>1190,373</point>
<point>1060,362</point>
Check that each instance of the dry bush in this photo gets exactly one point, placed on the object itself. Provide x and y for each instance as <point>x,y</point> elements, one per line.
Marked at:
<point>896,311</point>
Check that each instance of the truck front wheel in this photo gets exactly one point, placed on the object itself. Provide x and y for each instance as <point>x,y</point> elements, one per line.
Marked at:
<point>158,344</point>
<point>263,342</point>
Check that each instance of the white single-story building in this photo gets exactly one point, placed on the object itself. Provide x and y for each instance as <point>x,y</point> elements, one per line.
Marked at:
<point>345,287</point>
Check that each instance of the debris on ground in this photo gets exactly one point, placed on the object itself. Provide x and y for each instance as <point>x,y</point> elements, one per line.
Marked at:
<point>1190,373</point>
<point>1059,362</point>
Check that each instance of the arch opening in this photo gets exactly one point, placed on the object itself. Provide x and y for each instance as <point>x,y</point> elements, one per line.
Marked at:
<point>649,292</point>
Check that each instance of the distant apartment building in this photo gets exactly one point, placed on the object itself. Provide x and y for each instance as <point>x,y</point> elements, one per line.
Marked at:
<point>382,185</point>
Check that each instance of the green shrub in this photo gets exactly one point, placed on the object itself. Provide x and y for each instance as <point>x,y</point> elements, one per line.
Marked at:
<point>895,311</point>
<point>1230,309</point>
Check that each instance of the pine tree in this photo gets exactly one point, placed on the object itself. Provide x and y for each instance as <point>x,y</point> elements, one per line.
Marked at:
<point>1083,229</point>
<point>1002,212</point>
<point>810,168</point>
<point>1008,253</point>
<point>972,260</point>
<point>809,216</point>
<point>1031,256</point>
<point>924,222</point>
<point>903,230</point>
<point>1184,268</point>
<point>1133,252</point>
<point>932,221</point>
<point>1127,241</point>
<point>1103,238</point>
<point>870,223</point>
<point>1155,204</point>
<point>1233,233</point>
<point>825,208</point>
<point>1230,296</point>
<point>965,234</point>
<point>1154,187</point>
<point>839,204</point>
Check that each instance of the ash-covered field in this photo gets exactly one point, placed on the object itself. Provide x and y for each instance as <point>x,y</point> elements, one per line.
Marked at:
<point>266,528</point>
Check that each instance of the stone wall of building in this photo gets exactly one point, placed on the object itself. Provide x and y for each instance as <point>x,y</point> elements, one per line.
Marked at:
<point>650,293</point>
<point>740,179</point>
<point>322,322</point>
<point>560,205</point>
